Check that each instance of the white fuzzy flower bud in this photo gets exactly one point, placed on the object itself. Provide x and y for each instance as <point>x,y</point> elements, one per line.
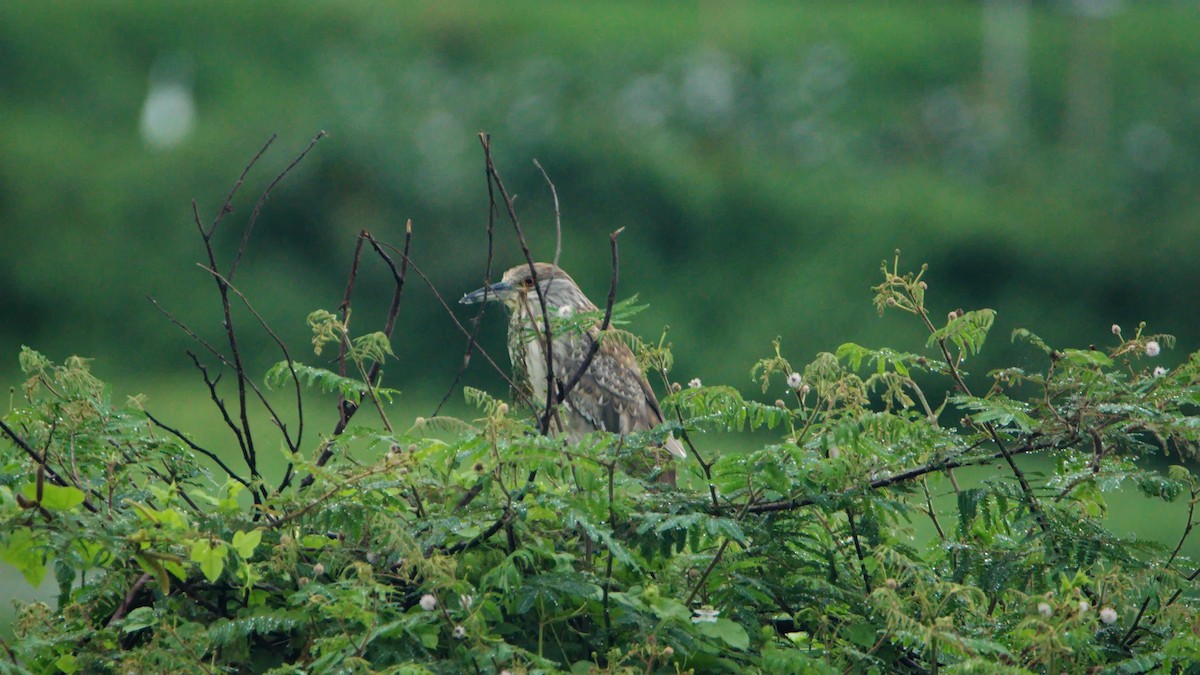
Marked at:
<point>1116,330</point>
<point>460,632</point>
<point>428,602</point>
<point>1160,371</point>
<point>565,312</point>
<point>1045,609</point>
<point>1108,615</point>
<point>794,381</point>
<point>1084,606</point>
<point>694,383</point>
<point>1153,348</point>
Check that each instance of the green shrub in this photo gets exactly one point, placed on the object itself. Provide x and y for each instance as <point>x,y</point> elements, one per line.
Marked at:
<point>479,545</point>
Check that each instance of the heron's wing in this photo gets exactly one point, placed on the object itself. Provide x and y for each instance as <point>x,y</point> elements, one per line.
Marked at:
<point>613,394</point>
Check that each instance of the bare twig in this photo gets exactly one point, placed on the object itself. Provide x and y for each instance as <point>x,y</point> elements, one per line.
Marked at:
<point>293,445</point>
<point>595,346</point>
<point>207,453</point>
<point>130,596</point>
<point>547,330</point>
<point>263,198</point>
<point>476,322</point>
<point>458,324</point>
<point>557,214</point>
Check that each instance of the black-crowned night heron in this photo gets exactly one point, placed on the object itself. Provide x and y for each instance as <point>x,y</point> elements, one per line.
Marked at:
<point>612,394</point>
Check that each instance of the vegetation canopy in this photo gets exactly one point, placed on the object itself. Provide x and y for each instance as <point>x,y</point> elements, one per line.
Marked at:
<point>847,543</point>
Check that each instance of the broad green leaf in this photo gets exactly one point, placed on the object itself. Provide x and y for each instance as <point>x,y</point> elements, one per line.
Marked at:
<point>142,617</point>
<point>211,557</point>
<point>55,497</point>
<point>245,542</point>
<point>67,663</point>
<point>730,632</point>
<point>21,550</point>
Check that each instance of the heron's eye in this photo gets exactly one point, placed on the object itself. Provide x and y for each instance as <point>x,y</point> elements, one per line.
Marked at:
<point>528,282</point>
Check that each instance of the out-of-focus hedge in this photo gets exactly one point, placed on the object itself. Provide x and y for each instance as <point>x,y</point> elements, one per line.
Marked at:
<point>763,159</point>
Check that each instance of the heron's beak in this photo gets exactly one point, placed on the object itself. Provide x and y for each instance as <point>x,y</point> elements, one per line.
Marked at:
<point>494,292</point>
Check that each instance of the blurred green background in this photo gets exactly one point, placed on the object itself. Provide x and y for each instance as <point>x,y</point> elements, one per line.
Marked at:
<point>763,157</point>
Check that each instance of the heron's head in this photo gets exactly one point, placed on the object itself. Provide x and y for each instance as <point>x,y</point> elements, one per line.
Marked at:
<point>519,286</point>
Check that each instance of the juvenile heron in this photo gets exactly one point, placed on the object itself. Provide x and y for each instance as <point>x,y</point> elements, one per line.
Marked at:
<point>612,394</point>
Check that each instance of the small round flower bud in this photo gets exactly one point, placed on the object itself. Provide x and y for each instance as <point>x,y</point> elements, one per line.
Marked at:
<point>460,632</point>
<point>668,651</point>
<point>804,389</point>
<point>780,404</point>
<point>1108,615</point>
<point>565,312</point>
<point>793,380</point>
<point>1153,348</point>
<point>412,447</point>
<point>1045,610</point>
<point>318,570</point>
<point>420,421</point>
<point>675,386</point>
<point>428,602</point>
<point>952,315</point>
<point>304,581</point>
<point>502,409</point>
<point>835,452</point>
<point>891,583</point>
<point>1084,606</point>
<point>923,285</point>
<point>1116,330</point>
<point>694,383</point>
<point>1160,371</point>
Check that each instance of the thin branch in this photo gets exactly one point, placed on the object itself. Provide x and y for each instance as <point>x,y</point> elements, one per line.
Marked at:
<point>458,324</point>
<point>130,596</point>
<point>217,400</point>
<point>58,480</point>
<point>595,346</point>
<point>216,354</point>
<point>477,322</point>
<point>292,445</point>
<point>557,214</point>
<point>263,198</point>
<point>346,409</point>
<point>905,476</point>
<point>547,331</point>
<point>207,453</point>
<point>227,207</point>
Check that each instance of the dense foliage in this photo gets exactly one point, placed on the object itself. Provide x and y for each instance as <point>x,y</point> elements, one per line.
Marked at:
<point>478,545</point>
